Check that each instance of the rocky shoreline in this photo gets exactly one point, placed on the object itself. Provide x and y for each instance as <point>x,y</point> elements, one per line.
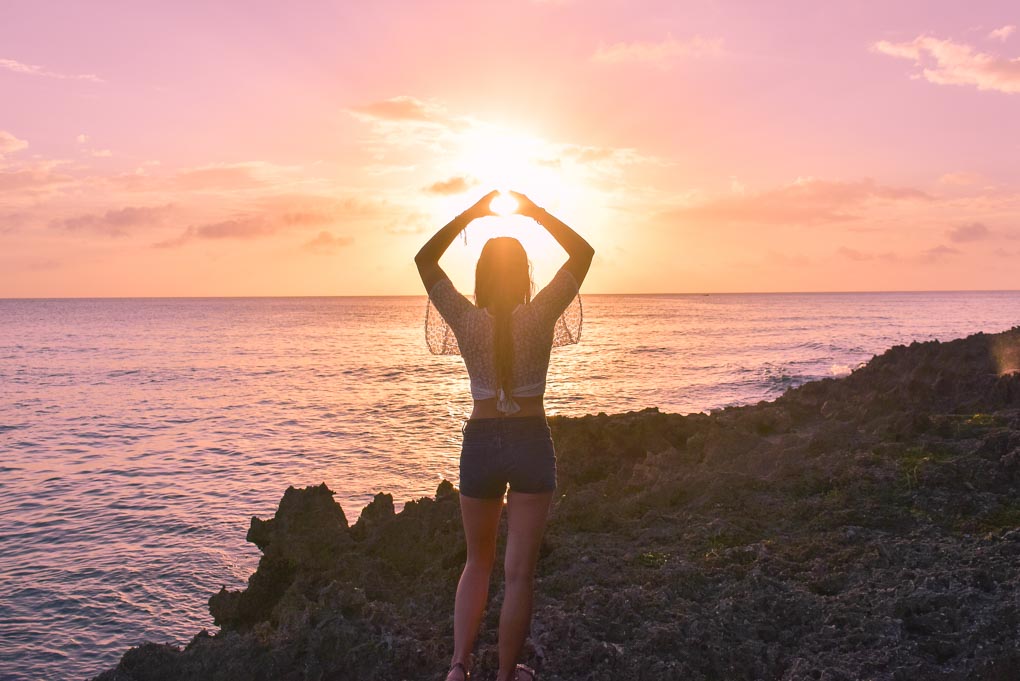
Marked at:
<point>858,528</point>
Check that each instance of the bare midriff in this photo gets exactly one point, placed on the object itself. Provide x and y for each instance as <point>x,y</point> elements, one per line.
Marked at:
<point>530,406</point>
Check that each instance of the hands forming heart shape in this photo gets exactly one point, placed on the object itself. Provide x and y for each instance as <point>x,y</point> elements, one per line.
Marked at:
<point>502,203</point>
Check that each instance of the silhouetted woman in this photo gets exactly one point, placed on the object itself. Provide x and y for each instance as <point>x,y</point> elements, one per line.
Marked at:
<point>505,338</point>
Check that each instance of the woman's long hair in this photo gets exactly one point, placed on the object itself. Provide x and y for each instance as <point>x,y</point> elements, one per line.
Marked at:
<point>502,282</point>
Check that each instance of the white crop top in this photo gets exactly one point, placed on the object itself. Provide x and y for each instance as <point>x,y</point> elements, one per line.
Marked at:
<point>532,326</point>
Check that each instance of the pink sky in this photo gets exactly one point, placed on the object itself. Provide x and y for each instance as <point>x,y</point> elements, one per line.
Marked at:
<point>252,148</point>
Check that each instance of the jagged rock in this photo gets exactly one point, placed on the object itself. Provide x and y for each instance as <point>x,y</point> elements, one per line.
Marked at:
<point>308,533</point>
<point>865,527</point>
<point>375,516</point>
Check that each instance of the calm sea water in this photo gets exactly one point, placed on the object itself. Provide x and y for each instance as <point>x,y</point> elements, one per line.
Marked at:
<point>137,437</point>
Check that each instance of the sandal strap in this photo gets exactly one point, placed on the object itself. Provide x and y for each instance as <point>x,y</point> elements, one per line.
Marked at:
<point>463,669</point>
<point>525,668</point>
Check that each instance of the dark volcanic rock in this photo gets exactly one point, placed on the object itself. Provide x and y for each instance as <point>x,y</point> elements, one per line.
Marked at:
<point>867,527</point>
<point>308,534</point>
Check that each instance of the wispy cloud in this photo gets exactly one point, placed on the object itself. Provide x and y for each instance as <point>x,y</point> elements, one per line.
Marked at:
<point>12,222</point>
<point>455,185</point>
<point>1002,34</point>
<point>804,202</point>
<point>946,62</point>
<point>218,177</point>
<point>325,243</point>
<point>974,231</point>
<point>405,122</point>
<point>228,176</point>
<point>926,257</point>
<point>36,70</point>
<point>937,253</point>
<point>960,179</point>
<point>276,215</point>
<point>31,179</point>
<point>9,143</point>
<point>662,53</point>
<point>405,108</point>
<point>116,223</point>
<point>245,227</point>
<point>863,256</point>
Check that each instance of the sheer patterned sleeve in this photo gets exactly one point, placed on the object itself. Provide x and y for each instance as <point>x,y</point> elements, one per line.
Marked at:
<point>556,296</point>
<point>450,302</point>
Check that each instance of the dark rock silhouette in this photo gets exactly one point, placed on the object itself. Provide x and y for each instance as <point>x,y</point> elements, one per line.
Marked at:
<point>866,527</point>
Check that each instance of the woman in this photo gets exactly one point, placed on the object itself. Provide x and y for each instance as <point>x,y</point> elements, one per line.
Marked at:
<point>505,338</point>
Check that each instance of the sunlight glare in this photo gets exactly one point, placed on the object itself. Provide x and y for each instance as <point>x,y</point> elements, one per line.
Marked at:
<point>503,204</point>
<point>498,157</point>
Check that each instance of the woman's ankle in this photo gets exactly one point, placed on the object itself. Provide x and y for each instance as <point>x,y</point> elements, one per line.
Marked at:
<point>458,671</point>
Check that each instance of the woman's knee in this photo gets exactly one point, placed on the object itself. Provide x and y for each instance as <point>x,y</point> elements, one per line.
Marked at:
<point>518,575</point>
<point>481,559</point>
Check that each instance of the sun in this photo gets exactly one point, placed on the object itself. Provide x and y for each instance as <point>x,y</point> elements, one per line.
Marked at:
<point>503,204</point>
<point>497,157</point>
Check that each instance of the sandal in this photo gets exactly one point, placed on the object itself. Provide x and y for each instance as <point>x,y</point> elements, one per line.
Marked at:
<point>532,676</point>
<point>463,670</point>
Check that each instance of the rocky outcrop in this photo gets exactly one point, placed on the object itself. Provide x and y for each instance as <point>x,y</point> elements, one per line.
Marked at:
<point>305,538</point>
<point>866,527</point>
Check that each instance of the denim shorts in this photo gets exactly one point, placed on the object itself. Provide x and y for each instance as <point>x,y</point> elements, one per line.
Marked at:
<point>515,450</point>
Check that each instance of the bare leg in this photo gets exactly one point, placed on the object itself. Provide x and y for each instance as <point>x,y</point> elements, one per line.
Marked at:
<point>481,525</point>
<point>526,518</point>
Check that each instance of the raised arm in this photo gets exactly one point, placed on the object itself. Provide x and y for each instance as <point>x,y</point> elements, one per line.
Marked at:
<point>428,257</point>
<point>578,250</point>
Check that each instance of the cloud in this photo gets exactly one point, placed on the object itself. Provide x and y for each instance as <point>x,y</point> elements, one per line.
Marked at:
<point>974,231</point>
<point>937,253</point>
<point>278,214</point>
<point>31,179</point>
<point>225,176</point>
<point>12,222</point>
<point>402,122</point>
<point>245,227</point>
<point>661,53</point>
<point>9,143</point>
<point>960,179</point>
<point>410,222</point>
<point>926,257</point>
<point>609,156</point>
<point>403,108</point>
<point>35,70</point>
<point>217,177</point>
<point>605,161</point>
<point>805,202</point>
<point>1002,34</point>
<point>455,185</point>
<point>862,256</point>
<point>116,223</point>
<point>946,62</point>
<point>326,243</point>
<point>43,265</point>
<point>854,254</point>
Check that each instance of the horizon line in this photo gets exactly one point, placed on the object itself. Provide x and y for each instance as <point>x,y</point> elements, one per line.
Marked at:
<point>423,295</point>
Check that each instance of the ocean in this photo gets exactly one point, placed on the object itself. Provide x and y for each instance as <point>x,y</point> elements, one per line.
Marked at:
<point>138,436</point>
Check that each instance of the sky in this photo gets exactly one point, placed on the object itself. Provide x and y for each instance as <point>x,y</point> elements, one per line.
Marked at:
<point>264,148</point>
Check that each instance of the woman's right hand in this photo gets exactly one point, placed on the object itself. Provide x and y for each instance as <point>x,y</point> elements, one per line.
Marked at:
<point>481,207</point>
